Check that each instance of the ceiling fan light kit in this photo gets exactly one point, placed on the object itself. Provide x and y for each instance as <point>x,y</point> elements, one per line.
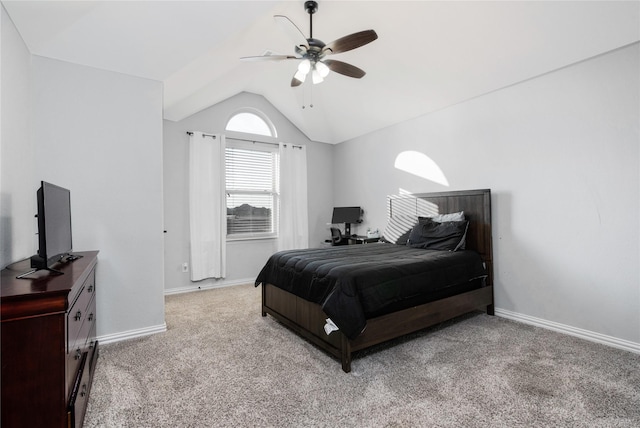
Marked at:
<point>322,69</point>
<point>312,51</point>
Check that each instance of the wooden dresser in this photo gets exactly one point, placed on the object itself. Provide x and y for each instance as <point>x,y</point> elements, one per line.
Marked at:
<point>49,346</point>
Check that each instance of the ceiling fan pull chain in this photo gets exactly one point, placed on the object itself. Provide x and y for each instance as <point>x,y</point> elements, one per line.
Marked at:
<point>304,91</point>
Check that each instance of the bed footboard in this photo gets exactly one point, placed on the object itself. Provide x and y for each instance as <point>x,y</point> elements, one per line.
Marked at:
<point>307,319</point>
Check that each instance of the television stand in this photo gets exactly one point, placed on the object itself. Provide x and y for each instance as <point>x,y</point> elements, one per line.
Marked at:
<point>27,274</point>
<point>39,264</point>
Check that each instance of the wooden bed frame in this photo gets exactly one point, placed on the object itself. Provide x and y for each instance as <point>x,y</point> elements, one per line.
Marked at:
<point>308,320</point>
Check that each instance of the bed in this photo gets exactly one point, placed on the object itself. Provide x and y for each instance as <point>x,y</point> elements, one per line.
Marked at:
<point>348,298</point>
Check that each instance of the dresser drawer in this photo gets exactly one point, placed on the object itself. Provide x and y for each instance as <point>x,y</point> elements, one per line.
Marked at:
<point>80,394</point>
<point>80,311</point>
<point>81,387</point>
<point>87,291</point>
<point>79,334</point>
<point>84,337</point>
<point>72,366</point>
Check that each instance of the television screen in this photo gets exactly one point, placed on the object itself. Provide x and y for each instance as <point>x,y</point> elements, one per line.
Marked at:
<point>346,215</point>
<point>54,224</point>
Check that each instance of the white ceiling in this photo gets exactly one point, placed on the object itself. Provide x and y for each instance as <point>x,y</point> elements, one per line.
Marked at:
<point>429,55</point>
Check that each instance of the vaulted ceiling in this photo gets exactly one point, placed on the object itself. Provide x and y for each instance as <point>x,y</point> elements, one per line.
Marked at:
<point>429,54</point>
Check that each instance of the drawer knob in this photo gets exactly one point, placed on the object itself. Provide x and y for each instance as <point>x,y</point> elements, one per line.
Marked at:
<point>90,289</point>
<point>90,318</point>
<point>78,354</point>
<point>84,390</point>
<point>78,316</point>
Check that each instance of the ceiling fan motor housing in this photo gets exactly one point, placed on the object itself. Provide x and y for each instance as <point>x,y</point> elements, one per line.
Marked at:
<point>315,52</point>
<point>311,7</point>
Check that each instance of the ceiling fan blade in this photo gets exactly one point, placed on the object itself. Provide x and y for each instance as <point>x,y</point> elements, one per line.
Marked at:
<point>268,58</point>
<point>350,42</point>
<point>344,68</point>
<point>292,30</point>
<point>295,82</point>
<point>301,50</point>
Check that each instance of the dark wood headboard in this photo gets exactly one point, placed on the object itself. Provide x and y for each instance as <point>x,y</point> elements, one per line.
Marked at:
<point>476,205</point>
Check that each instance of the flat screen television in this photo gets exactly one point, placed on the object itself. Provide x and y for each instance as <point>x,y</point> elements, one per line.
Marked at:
<point>54,226</point>
<point>346,215</point>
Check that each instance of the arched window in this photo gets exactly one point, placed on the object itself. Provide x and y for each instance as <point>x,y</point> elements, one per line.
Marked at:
<point>251,123</point>
<point>252,172</point>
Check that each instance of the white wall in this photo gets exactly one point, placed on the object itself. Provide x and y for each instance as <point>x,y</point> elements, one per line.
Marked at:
<point>99,134</point>
<point>561,155</point>
<point>244,258</point>
<point>17,181</point>
<point>559,152</point>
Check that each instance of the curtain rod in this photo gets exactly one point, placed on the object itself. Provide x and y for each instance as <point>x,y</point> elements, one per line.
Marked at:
<point>249,141</point>
<point>261,142</point>
<point>252,141</point>
<point>203,134</point>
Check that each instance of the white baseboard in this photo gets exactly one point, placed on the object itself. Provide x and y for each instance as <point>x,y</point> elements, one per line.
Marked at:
<point>503,313</point>
<point>572,331</point>
<point>132,334</point>
<point>197,287</point>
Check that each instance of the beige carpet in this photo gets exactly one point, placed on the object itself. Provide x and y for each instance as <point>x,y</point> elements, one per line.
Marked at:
<point>222,364</point>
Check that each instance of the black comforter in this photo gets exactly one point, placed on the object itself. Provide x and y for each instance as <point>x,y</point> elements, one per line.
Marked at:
<point>354,281</point>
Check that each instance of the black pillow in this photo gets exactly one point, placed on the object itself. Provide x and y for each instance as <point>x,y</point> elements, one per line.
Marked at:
<point>431,235</point>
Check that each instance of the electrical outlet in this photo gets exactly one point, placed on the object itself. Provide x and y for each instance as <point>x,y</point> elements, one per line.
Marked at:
<point>185,267</point>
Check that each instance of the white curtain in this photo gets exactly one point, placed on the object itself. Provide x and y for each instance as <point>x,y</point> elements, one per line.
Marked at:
<point>207,206</point>
<point>294,221</point>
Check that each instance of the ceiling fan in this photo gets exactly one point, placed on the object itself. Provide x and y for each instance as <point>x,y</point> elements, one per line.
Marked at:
<point>312,52</point>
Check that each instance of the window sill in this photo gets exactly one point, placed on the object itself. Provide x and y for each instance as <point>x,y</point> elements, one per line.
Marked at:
<point>250,238</point>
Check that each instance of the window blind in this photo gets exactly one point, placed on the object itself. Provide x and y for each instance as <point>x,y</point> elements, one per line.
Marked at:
<point>252,192</point>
